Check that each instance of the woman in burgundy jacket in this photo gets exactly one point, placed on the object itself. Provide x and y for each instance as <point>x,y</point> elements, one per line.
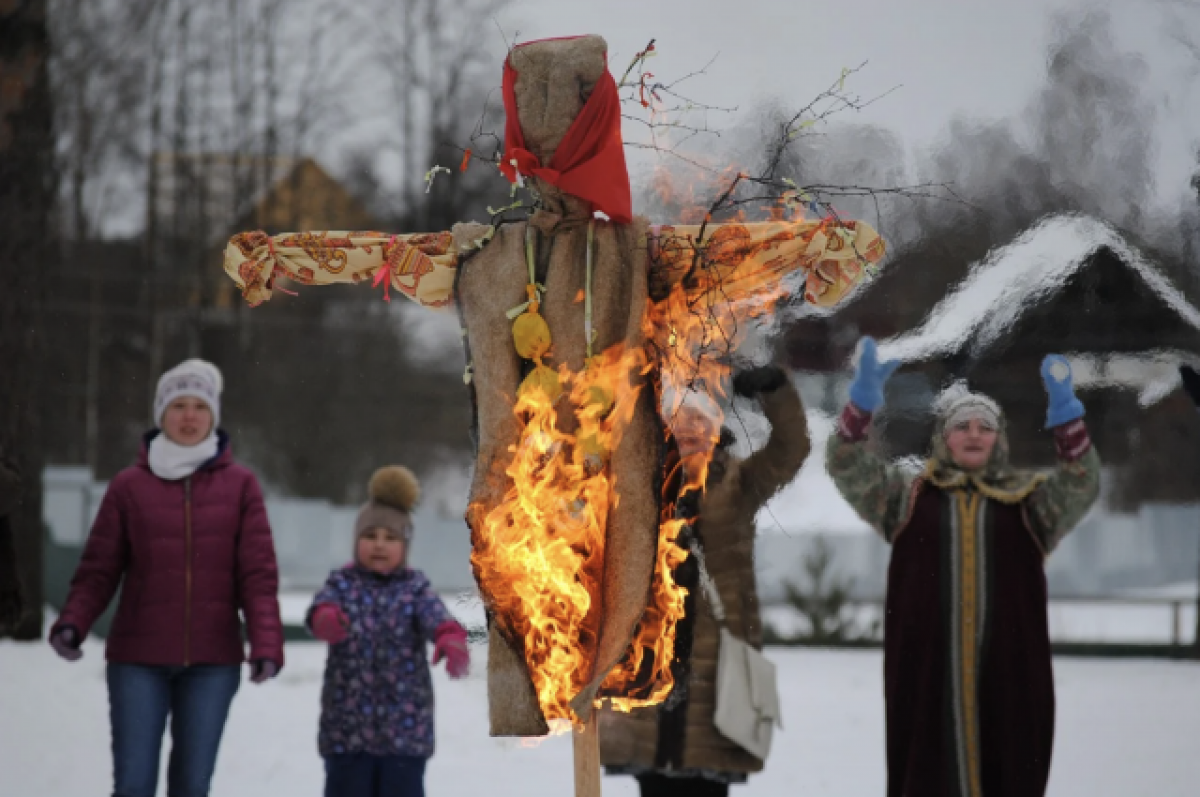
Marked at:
<point>185,534</point>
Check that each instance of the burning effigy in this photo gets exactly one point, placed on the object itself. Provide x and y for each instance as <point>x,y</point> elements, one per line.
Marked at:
<point>586,328</point>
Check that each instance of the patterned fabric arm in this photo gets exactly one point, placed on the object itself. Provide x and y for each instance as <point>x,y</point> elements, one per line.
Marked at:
<point>1057,506</point>
<point>751,259</point>
<point>878,492</point>
<point>421,266</point>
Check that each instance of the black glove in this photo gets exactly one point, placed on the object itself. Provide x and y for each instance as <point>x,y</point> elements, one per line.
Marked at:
<point>761,379</point>
<point>65,642</point>
<point>1191,383</point>
<point>263,670</point>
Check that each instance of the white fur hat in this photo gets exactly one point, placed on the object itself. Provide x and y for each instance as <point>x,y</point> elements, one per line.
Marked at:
<point>957,404</point>
<point>195,378</point>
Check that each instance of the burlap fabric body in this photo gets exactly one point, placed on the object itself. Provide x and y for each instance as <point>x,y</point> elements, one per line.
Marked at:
<point>555,78</point>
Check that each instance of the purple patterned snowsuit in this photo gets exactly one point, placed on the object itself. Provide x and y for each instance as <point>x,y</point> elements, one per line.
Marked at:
<point>378,694</point>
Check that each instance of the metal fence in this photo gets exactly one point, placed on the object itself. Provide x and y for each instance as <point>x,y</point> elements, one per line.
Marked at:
<point>1076,621</point>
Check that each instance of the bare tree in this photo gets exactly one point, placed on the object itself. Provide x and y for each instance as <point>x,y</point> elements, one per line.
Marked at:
<point>218,105</point>
<point>440,82</point>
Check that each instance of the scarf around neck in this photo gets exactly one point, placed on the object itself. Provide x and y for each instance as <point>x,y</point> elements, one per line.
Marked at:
<point>998,480</point>
<point>170,461</point>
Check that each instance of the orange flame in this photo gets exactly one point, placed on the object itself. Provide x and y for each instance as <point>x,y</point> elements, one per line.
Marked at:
<point>541,553</point>
<point>691,332</point>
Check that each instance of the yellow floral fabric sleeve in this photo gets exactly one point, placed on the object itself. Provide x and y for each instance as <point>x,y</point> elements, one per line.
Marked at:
<point>747,259</point>
<point>420,266</point>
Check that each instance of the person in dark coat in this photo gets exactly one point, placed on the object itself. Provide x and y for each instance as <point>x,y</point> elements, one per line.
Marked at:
<point>11,603</point>
<point>676,749</point>
<point>185,534</point>
<point>968,678</point>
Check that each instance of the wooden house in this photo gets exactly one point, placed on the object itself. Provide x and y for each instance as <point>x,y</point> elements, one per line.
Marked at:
<point>1072,285</point>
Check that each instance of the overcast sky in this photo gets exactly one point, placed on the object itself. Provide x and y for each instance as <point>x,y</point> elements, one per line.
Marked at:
<point>982,59</point>
<point>977,58</point>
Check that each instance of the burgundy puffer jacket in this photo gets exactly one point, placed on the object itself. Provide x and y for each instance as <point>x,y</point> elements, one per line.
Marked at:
<point>192,553</point>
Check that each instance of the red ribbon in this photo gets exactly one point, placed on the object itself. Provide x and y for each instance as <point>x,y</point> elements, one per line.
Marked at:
<point>590,161</point>
<point>270,284</point>
<point>384,272</point>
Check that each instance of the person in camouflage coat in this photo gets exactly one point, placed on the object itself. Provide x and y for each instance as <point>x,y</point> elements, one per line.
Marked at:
<point>968,678</point>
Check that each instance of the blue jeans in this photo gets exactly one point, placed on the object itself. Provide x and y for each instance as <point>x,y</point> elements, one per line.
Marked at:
<point>141,698</point>
<point>362,775</point>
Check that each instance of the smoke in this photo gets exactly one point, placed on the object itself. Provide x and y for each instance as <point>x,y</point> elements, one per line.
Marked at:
<point>1094,121</point>
<point>1085,142</point>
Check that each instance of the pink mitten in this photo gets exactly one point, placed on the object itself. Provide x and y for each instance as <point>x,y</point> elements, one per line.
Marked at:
<point>450,643</point>
<point>329,624</point>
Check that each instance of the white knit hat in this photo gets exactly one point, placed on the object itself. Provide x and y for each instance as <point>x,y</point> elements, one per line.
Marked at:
<point>195,378</point>
<point>958,404</point>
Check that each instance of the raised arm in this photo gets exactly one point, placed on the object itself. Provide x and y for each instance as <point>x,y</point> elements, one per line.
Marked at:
<point>420,266</point>
<point>768,470</point>
<point>1059,503</point>
<point>877,491</point>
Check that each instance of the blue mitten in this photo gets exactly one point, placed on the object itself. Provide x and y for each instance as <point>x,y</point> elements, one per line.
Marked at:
<point>866,392</point>
<point>1064,406</point>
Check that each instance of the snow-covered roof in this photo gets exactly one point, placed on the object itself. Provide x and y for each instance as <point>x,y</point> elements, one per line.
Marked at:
<point>1017,276</point>
<point>1153,374</point>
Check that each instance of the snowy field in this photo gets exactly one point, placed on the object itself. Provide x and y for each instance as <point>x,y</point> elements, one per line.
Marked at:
<point>1125,729</point>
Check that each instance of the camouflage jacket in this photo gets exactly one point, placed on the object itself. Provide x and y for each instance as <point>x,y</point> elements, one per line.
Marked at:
<point>883,494</point>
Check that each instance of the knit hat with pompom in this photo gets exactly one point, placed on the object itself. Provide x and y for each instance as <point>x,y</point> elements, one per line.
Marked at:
<point>393,492</point>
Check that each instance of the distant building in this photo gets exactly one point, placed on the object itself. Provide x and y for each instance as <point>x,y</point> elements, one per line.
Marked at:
<point>124,310</point>
<point>198,200</point>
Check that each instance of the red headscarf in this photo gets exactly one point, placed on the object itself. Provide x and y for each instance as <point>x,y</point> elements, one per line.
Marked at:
<point>590,161</point>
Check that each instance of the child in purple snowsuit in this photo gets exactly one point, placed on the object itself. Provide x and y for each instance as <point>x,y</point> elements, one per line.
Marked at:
<point>377,614</point>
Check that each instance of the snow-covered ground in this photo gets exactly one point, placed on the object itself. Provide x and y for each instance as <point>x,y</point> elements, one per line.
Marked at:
<point>1125,728</point>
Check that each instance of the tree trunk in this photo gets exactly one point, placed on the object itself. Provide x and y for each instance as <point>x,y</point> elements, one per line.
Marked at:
<point>26,196</point>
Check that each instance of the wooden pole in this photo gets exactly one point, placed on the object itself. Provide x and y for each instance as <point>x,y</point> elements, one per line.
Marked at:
<point>587,757</point>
